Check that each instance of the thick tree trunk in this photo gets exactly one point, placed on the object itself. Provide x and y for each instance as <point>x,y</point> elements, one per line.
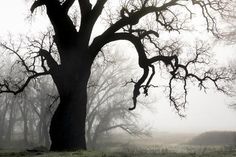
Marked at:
<point>67,130</point>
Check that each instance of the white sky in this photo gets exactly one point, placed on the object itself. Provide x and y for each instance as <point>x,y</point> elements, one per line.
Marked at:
<point>204,112</point>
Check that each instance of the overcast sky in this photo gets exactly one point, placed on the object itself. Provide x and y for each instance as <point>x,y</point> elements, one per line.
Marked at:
<point>204,112</point>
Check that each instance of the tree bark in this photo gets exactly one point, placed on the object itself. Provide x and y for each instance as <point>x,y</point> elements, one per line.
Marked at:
<point>67,129</point>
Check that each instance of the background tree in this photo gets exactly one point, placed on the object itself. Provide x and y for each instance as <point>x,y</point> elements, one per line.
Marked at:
<point>4,108</point>
<point>230,29</point>
<point>109,99</point>
<point>42,106</point>
<point>26,117</point>
<point>77,50</point>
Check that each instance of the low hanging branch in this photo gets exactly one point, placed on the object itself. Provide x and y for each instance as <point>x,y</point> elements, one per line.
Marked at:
<point>169,56</point>
<point>182,72</point>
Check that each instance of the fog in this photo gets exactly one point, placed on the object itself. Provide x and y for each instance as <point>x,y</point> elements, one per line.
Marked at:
<point>205,111</point>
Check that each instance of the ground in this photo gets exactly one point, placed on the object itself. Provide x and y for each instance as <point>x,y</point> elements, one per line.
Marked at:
<point>132,152</point>
<point>158,145</point>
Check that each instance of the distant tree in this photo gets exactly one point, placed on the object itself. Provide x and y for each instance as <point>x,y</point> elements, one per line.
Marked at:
<point>108,100</point>
<point>42,103</point>
<point>77,50</point>
<point>26,117</point>
<point>229,32</point>
<point>3,113</point>
<point>24,108</point>
<point>23,116</point>
<point>226,138</point>
<point>11,119</point>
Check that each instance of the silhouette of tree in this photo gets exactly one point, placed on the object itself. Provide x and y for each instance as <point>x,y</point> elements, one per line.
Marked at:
<point>76,51</point>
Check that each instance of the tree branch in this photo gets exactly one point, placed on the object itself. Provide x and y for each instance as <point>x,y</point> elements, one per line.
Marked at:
<point>37,4</point>
<point>85,7</point>
<point>132,19</point>
<point>67,4</point>
<point>171,59</point>
<point>5,88</point>
<point>97,10</point>
<point>52,64</point>
<point>65,31</point>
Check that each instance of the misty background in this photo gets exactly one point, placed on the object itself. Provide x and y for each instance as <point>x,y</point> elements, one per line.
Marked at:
<point>205,111</point>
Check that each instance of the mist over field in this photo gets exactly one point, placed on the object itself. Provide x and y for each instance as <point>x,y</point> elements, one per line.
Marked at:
<point>68,87</point>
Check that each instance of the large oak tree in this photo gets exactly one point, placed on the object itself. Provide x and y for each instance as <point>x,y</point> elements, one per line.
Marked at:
<point>77,49</point>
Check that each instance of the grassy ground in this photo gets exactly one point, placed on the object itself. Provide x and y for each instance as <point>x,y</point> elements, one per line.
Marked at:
<point>132,150</point>
<point>130,153</point>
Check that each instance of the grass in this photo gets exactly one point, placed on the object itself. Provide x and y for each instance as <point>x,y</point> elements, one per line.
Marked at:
<point>125,153</point>
<point>134,150</point>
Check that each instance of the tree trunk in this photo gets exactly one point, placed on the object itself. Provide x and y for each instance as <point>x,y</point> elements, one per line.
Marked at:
<point>10,124</point>
<point>67,129</point>
<point>40,132</point>
<point>46,135</point>
<point>2,123</point>
<point>43,126</point>
<point>25,129</point>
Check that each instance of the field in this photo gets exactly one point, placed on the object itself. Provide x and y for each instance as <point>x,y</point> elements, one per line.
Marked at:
<point>160,145</point>
<point>117,154</point>
<point>154,151</point>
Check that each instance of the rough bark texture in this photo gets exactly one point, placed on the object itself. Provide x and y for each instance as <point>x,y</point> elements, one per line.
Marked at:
<point>67,128</point>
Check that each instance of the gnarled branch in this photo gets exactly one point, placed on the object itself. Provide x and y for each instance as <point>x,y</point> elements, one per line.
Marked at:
<point>37,4</point>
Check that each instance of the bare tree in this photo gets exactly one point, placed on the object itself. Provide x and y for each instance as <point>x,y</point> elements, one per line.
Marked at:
<point>11,121</point>
<point>229,31</point>
<point>108,100</point>
<point>77,50</point>
<point>41,104</point>
<point>3,112</point>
